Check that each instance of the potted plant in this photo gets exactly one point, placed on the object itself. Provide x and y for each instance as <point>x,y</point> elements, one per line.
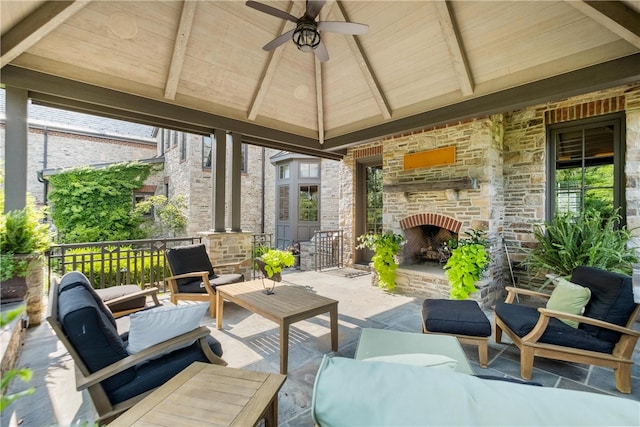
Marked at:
<point>23,240</point>
<point>469,259</point>
<point>386,246</point>
<point>271,264</point>
<point>570,240</point>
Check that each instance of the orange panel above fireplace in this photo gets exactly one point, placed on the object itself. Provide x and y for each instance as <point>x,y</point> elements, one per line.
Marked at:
<point>436,157</point>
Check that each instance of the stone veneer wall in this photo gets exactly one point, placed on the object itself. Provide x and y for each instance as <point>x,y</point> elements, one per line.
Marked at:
<point>229,247</point>
<point>188,178</point>
<point>506,153</point>
<point>525,170</point>
<point>478,155</point>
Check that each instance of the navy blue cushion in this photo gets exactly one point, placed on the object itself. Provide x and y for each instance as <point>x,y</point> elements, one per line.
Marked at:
<point>611,299</point>
<point>154,373</point>
<point>521,320</point>
<point>92,334</point>
<point>461,317</point>
<point>76,278</point>
<point>189,259</point>
<point>194,287</point>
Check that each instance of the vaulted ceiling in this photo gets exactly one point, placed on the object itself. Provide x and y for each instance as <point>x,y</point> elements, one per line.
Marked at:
<point>199,65</point>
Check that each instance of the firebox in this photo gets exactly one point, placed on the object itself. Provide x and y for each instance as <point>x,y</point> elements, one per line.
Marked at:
<point>427,238</point>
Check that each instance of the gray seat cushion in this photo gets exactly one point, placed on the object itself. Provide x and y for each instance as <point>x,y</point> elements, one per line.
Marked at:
<point>113,292</point>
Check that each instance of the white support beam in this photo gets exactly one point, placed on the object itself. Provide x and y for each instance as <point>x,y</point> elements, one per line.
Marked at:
<point>613,15</point>
<point>268,73</point>
<point>35,26</point>
<point>365,67</point>
<point>454,45</point>
<point>180,48</point>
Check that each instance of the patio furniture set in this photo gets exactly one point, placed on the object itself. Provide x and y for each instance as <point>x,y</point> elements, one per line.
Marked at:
<point>170,353</point>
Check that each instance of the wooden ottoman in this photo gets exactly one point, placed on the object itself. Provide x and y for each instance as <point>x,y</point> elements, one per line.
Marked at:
<point>462,318</point>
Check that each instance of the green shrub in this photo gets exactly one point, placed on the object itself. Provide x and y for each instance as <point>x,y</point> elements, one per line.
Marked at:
<point>90,262</point>
<point>571,240</point>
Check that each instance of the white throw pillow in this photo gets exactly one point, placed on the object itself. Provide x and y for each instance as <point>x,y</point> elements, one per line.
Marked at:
<point>418,359</point>
<point>159,324</point>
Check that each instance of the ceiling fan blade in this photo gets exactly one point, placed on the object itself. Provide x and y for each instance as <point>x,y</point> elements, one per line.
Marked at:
<point>342,27</point>
<point>321,52</point>
<point>313,8</point>
<point>278,41</point>
<point>271,11</point>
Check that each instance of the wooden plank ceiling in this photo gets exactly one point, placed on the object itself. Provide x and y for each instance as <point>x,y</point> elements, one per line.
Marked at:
<point>199,65</point>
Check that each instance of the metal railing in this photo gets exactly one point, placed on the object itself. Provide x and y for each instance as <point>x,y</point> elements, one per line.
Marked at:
<point>328,249</point>
<point>115,263</point>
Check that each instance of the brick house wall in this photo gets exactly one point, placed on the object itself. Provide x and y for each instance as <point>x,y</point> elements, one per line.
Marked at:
<point>67,149</point>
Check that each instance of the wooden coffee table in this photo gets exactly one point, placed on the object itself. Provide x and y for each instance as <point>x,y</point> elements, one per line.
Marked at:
<point>205,394</point>
<point>287,305</point>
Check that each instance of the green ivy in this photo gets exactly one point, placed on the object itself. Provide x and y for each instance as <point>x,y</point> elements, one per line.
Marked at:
<point>89,205</point>
<point>386,246</point>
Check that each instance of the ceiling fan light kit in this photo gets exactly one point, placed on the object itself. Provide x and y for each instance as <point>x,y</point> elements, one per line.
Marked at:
<point>305,36</point>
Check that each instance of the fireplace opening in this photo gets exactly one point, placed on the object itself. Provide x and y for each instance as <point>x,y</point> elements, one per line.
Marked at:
<point>427,244</point>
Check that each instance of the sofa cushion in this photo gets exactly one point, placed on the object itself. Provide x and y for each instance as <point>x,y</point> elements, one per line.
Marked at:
<point>154,373</point>
<point>351,392</point>
<point>92,334</point>
<point>611,299</point>
<point>521,320</point>
<point>569,297</point>
<point>189,259</point>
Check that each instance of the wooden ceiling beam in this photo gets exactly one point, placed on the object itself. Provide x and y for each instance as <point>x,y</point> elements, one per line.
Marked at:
<point>365,67</point>
<point>35,26</point>
<point>597,77</point>
<point>268,73</point>
<point>613,15</point>
<point>180,48</point>
<point>156,111</point>
<point>454,44</point>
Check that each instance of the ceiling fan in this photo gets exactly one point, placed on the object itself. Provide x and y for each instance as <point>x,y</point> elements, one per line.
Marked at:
<point>306,35</point>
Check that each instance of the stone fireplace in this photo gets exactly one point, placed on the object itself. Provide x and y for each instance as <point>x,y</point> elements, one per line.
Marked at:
<point>427,238</point>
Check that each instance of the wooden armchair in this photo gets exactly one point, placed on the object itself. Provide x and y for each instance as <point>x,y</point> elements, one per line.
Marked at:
<point>605,335</point>
<point>126,299</point>
<point>114,379</point>
<point>193,277</point>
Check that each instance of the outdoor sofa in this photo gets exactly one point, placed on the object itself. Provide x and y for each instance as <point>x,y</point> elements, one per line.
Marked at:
<point>350,392</point>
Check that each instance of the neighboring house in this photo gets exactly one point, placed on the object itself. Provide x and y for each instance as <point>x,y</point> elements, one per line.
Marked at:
<point>60,139</point>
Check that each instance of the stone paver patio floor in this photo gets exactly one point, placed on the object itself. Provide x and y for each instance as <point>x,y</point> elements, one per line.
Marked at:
<point>251,342</point>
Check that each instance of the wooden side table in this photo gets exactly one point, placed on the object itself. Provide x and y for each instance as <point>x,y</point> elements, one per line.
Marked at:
<point>205,394</point>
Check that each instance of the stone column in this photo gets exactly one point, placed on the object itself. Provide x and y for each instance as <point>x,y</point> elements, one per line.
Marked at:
<point>35,289</point>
